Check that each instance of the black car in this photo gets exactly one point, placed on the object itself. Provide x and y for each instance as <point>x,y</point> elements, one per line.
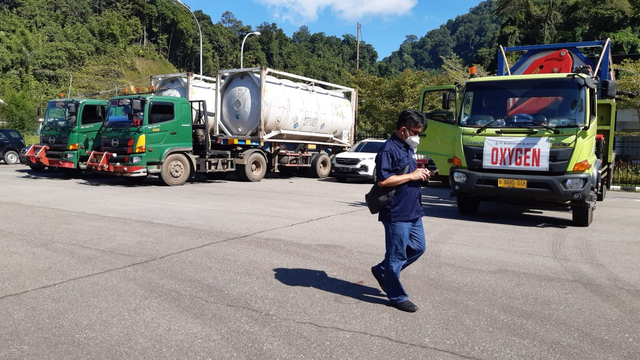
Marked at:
<point>11,144</point>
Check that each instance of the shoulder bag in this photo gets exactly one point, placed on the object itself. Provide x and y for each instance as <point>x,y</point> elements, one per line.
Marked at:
<point>379,196</point>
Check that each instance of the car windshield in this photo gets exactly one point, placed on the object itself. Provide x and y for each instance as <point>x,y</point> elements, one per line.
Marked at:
<point>60,114</point>
<point>120,113</point>
<point>524,103</point>
<point>367,146</point>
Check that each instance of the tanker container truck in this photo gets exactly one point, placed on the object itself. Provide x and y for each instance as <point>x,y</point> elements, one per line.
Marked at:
<point>67,135</point>
<point>248,121</point>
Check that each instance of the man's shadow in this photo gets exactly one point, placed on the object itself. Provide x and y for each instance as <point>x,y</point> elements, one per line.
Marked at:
<point>318,279</point>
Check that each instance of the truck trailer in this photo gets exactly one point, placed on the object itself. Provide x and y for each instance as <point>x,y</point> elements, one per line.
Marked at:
<point>245,121</point>
<point>539,133</point>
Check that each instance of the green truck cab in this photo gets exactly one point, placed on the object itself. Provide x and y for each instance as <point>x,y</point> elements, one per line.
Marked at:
<point>540,134</point>
<point>148,134</point>
<point>67,135</point>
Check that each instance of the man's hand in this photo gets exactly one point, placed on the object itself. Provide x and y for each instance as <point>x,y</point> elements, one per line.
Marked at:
<point>420,174</point>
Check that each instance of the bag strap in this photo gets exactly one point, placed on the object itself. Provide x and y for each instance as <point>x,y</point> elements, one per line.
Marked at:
<point>406,169</point>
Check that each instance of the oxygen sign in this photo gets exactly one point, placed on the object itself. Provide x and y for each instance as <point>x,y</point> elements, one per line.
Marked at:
<point>530,154</point>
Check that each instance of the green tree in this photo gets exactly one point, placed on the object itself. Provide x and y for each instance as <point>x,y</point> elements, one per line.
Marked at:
<point>18,110</point>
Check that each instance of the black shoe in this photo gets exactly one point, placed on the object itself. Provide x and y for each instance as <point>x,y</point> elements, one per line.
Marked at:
<point>407,306</point>
<point>379,278</point>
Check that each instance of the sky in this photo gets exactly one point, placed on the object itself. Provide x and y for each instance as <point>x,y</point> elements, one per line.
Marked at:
<point>383,23</point>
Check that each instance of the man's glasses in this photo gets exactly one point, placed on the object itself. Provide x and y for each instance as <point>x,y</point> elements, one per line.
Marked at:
<point>413,133</point>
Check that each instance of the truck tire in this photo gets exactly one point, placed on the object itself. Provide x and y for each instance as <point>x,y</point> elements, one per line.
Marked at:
<point>175,170</point>
<point>582,214</point>
<point>321,166</point>
<point>254,169</point>
<point>11,157</point>
<point>468,205</point>
<point>37,167</point>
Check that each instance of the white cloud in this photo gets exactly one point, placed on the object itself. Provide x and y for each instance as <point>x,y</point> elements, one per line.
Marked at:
<point>302,11</point>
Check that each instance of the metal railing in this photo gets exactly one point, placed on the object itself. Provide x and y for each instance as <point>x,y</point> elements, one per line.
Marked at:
<point>626,171</point>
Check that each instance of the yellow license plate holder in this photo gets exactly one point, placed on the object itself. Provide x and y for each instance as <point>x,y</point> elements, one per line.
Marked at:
<point>512,183</point>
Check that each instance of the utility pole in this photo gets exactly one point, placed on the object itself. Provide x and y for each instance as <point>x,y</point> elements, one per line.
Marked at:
<point>358,48</point>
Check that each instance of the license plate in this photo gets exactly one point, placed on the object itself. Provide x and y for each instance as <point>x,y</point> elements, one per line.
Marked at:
<point>512,183</point>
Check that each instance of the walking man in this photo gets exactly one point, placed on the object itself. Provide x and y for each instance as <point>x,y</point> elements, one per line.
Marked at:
<point>396,166</point>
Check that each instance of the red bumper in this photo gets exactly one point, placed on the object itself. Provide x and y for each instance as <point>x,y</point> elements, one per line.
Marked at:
<point>100,162</point>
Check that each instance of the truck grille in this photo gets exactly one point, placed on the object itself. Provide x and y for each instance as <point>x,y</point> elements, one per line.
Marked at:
<point>558,161</point>
<point>57,145</point>
<point>123,145</point>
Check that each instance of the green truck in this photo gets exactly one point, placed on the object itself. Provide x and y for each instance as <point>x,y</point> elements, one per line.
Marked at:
<point>244,121</point>
<point>540,133</point>
<point>67,134</point>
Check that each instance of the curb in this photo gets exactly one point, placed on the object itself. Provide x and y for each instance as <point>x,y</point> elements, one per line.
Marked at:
<point>625,188</point>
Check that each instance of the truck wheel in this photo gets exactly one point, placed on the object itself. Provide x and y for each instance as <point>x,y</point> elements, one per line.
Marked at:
<point>37,167</point>
<point>582,214</point>
<point>175,170</point>
<point>468,205</point>
<point>11,157</point>
<point>321,166</point>
<point>255,168</point>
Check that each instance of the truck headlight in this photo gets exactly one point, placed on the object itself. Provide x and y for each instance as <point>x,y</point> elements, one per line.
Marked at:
<point>136,159</point>
<point>459,177</point>
<point>68,156</point>
<point>574,184</point>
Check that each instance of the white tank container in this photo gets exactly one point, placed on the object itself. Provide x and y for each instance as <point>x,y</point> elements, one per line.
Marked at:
<point>290,110</point>
<point>176,85</point>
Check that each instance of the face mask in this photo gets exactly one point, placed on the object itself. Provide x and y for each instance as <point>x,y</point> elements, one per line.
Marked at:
<point>412,141</point>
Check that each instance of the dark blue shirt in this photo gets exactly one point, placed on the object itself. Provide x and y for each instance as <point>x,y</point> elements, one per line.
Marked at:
<point>392,158</point>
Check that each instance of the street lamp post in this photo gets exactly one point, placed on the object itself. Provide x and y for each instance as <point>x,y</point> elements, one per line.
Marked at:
<point>199,30</point>
<point>242,47</point>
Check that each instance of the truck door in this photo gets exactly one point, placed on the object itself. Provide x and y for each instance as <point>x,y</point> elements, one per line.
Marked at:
<point>91,118</point>
<point>162,129</point>
<point>440,104</point>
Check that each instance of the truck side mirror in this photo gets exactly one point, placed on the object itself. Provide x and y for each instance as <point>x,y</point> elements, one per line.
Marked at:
<point>136,105</point>
<point>39,111</point>
<point>71,107</point>
<point>447,99</point>
<point>609,89</point>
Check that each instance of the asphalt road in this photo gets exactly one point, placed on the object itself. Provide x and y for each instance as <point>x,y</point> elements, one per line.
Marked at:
<point>92,268</point>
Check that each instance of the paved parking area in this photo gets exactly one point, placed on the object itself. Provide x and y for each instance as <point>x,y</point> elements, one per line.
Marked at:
<point>91,268</point>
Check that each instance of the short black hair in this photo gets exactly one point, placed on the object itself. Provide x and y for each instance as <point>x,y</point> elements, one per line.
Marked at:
<point>411,118</point>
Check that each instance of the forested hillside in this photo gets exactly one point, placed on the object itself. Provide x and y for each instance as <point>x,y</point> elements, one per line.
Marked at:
<point>100,46</point>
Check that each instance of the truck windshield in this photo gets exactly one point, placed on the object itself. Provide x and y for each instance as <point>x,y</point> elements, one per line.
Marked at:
<point>525,103</point>
<point>120,113</point>
<point>60,114</point>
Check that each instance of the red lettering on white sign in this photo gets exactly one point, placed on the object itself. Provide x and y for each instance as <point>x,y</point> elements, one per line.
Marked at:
<point>517,153</point>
